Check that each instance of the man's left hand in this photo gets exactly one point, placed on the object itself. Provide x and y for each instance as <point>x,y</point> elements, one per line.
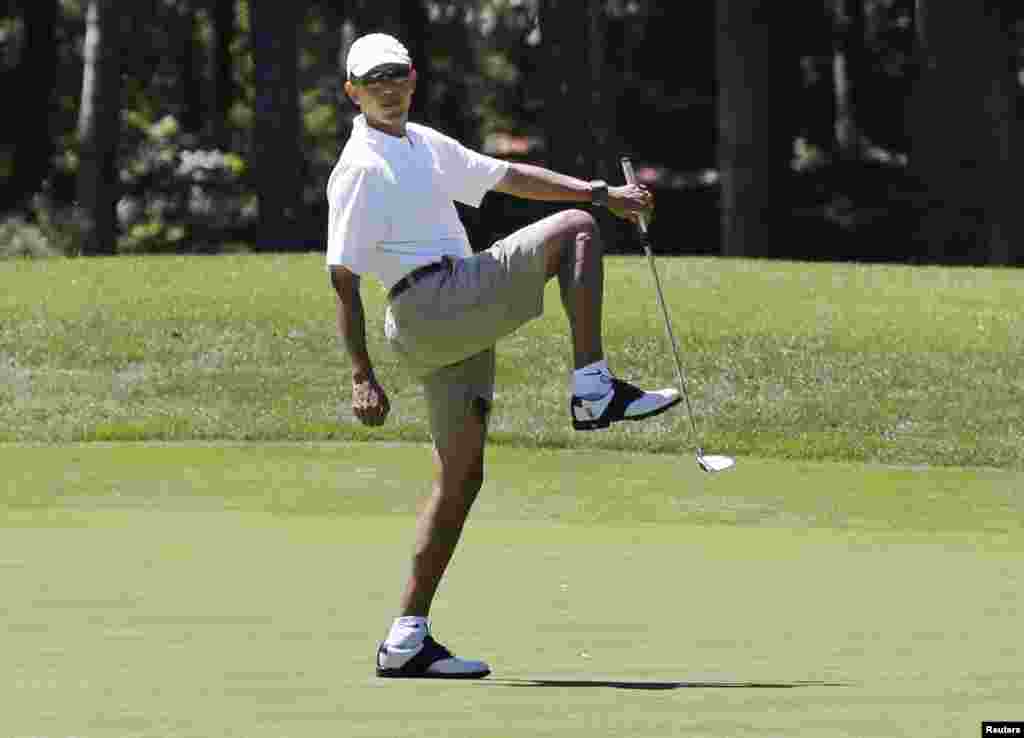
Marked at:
<point>631,201</point>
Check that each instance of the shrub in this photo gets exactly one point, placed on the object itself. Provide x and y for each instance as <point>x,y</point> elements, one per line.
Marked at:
<point>179,196</point>
<point>19,238</point>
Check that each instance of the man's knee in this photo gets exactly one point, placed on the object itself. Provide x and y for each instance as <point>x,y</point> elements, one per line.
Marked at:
<point>461,458</point>
<point>579,222</point>
<point>459,487</point>
<point>577,234</point>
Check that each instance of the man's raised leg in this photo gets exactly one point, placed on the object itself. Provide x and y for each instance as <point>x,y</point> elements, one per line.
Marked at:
<point>574,253</point>
<point>573,250</point>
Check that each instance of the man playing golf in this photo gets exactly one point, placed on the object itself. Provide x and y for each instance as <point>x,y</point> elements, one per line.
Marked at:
<point>392,216</point>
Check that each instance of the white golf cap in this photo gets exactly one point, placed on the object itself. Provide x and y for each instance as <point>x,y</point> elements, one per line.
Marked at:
<point>374,50</point>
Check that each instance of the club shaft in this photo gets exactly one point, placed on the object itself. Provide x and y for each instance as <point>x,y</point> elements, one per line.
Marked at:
<point>671,337</point>
<point>627,168</point>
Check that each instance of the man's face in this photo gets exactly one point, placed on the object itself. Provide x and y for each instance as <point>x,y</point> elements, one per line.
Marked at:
<point>384,98</point>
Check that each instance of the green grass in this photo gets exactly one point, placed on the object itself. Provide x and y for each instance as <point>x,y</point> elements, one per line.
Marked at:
<point>197,590</point>
<point>857,575</point>
<point>883,364</point>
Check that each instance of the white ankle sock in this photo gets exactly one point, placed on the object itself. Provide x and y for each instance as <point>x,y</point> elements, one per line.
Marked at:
<point>408,632</point>
<point>587,381</point>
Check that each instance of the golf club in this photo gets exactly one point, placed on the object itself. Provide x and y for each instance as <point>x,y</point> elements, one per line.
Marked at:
<point>705,462</point>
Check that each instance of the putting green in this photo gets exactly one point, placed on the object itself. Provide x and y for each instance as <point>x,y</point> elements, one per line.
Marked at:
<point>191,591</point>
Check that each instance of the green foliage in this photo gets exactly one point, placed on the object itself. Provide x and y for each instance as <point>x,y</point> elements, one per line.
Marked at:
<point>21,239</point>
<point>50,229</point>
<point>175,191</point>
<point>487,69</point>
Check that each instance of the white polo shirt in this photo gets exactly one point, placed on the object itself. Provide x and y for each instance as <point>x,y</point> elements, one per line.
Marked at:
<point>391,199</point>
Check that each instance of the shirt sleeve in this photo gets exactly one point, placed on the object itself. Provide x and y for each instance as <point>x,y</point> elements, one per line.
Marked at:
<point>356,223</point>
<point>469,175</point>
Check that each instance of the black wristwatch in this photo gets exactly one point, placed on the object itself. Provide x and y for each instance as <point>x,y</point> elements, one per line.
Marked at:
<point>599,193</point>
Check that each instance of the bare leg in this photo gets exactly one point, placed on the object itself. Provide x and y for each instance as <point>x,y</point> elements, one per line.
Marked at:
<point>459,474</point>
<point>574,253</point>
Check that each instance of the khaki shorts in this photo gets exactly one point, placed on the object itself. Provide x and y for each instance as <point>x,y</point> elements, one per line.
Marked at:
<point>445,326</point>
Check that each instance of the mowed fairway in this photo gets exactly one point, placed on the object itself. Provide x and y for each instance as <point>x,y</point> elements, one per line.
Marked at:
<point>198,590</point>
<point>197,539</point>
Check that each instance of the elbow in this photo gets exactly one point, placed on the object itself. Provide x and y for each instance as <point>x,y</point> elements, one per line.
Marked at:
<point>511,183</point>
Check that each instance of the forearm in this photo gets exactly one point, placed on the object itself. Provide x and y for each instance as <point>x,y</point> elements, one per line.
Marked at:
<point>537,183</point>
<point>352,330</point>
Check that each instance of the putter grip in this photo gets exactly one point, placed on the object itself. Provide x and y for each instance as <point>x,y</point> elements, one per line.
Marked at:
<point>627,169</point>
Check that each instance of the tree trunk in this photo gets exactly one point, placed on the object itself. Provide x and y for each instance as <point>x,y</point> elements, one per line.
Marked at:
<point>349,32</point>
<point>851,64</point>
<point>1005,232</point>
<point>963,130</point>
<point>455,113</point>
<point>568,108</point>
<point>278,166</point>
<point>35,81</point>
<point>756,82</point>
<point>818,60</point>
<point>415,33</point>
<point>99,129</point>
<point>223,71</point>
<point>602,101</point>
<point>190,76</point>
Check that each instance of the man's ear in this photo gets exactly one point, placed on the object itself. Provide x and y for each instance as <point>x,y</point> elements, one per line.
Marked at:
<point>350,90</point>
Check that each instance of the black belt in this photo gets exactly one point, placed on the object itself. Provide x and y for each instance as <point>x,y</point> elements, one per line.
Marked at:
<point>416,275</point>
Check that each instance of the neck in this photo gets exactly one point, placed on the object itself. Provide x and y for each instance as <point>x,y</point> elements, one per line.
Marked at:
<point>392,129</point>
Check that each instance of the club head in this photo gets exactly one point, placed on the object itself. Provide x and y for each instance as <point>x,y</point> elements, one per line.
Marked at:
<point>713,464</point>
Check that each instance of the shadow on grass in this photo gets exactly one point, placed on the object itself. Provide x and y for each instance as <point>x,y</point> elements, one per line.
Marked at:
<point>613,684</point>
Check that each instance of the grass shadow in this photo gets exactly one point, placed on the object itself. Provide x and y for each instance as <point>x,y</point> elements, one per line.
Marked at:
<point>654,686</point>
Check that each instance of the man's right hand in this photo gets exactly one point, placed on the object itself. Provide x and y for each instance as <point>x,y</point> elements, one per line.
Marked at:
<point>369,401</point>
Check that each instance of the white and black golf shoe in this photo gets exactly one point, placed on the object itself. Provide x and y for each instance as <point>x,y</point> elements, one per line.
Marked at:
<point>430,660</point>
<point>622,402</point>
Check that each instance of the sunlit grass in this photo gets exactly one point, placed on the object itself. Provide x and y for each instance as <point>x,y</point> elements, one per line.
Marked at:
<point>215,589</point>
<point>814,361</point>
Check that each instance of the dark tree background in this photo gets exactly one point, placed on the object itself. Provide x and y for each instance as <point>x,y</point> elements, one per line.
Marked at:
<point>966,133</point>
<point>32,83</point>
<point>819,129</point>
<point>277,160</point>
